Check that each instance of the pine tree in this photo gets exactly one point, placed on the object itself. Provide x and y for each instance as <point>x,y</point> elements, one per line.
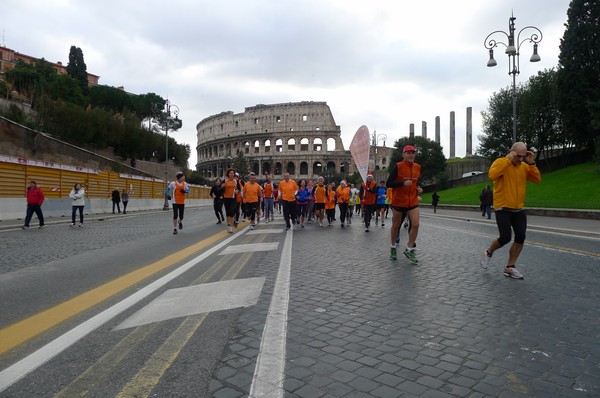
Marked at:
<point>77,68</point>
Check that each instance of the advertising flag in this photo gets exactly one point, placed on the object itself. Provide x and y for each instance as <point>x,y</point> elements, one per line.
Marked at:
<point>359,148</point>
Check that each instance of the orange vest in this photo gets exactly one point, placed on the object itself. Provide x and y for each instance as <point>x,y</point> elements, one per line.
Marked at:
<point>178,196</point>
<point>369,198</point>
<point>406,196</point>
<point>343,194</point>
<point>320,192</point>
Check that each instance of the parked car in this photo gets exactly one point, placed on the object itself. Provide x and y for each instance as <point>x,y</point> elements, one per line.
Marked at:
<point>472,173</point>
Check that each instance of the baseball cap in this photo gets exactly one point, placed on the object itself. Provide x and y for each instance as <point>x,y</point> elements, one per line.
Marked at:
<point>408,148</point>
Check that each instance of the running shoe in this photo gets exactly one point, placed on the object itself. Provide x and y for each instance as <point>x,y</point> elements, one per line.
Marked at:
<point>382,224</point>
<point>485,259</point>
<point>180,225</point>
<point>72,225</point>
<point>411,255</point>
<point>321,224</point>
<point>175,231</point>
<point>80,225</point>
<point>367,228</point>
<point>512,272</point>
<point>251,227</point>
<point>24,228</point>
<point>393,254</point>
<point>343,226</point>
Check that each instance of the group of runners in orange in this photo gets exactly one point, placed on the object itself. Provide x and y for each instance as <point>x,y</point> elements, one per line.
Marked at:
<point>315,202</point>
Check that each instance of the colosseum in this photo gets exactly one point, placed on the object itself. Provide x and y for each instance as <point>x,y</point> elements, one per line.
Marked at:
<point>300,138</point>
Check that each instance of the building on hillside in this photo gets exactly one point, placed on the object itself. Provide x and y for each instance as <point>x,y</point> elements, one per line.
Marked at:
<point>9,59</point>
<point>298,137</point>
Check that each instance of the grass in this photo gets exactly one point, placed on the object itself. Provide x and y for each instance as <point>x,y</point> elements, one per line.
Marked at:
<point>574,187</point>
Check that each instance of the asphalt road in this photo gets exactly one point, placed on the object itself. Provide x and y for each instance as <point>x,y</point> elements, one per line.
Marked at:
<point>354,322</point>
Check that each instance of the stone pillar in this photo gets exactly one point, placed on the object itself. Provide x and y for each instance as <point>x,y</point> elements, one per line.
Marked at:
<point>424,129</point>
<point>412,131</point>
<point>437,129</point>
<point>452,135</point>
<point>469,131</point>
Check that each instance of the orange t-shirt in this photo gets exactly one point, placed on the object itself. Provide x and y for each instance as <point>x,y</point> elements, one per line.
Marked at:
<point>229,188</point>
<point>269,189</point>
<point>287,189</point>
<point>178,196</point>
<point>252,192</point>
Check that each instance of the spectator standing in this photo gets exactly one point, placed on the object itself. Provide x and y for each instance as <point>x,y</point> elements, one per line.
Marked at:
<point>116,200</point>
<point>125,200</point>
<point>488,201</point>
<point>77,203</point>
<point>435,199</point>
<point>35,198</point>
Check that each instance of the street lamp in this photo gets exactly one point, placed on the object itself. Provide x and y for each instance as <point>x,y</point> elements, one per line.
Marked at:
<point>512,50</point>
<point>376,139</point>
<point>163,114</point>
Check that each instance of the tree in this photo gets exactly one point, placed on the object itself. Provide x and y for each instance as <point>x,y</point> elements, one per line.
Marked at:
<point>496,124</point>
<point>579,72</point>
<point>77,69</point>
<point>241,165</point>
<point>429,155</point>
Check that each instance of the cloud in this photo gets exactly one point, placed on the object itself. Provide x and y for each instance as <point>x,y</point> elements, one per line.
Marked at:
<point>383,63</point>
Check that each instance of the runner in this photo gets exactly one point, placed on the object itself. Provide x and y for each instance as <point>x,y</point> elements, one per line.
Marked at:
<point>343,196</point>
<point>302,198</point>
<point>230,190</point>
<point>330,204</point>
<point>216,192</point>
<point>380,203</point>
<point>269,191</point>
<point>287,189</point>
<point>320,194</point>
<point>178,189</point>
<point>368,196</point>
<point>310,211</point>
<point>238,200</point>
<point>351,203</point>
<point>404,180</point>
<point>252,196</point>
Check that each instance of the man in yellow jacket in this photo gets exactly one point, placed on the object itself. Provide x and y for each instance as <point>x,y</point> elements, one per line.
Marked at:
<point>510,175</point>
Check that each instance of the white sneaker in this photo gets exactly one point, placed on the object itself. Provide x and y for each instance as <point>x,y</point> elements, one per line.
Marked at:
<point>485,259</point>
<point>512,272</point>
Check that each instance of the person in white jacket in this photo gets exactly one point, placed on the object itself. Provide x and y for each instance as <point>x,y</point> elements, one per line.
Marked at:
<point>78,202</point>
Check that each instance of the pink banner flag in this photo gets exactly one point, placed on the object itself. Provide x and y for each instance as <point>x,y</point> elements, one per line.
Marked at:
<point>359,148</point>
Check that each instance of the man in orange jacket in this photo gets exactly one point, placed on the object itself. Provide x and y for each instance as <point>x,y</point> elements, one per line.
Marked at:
<point>404,180</point>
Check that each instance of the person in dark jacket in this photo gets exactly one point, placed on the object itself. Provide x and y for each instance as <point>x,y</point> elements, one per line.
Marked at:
<point>435,199</point>
<point>35,198</point>
<point>487,200</point>
<point>116,200</point>
<point>216,192</point>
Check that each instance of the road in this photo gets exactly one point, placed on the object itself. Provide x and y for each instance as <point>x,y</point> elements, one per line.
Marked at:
<point>121,307</point>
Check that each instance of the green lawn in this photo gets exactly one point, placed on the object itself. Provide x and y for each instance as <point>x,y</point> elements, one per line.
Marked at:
<point>575,187</point>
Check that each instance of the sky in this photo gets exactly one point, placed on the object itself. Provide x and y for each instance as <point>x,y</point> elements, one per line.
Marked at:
<point>380,63</point>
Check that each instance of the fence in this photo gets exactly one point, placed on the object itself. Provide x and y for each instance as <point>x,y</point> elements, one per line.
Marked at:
<point>57,180</point>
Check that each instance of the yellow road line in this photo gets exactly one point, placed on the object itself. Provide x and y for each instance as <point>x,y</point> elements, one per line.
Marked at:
<point>101,370</point>
<point>529,242</point>
<point>26,329</point>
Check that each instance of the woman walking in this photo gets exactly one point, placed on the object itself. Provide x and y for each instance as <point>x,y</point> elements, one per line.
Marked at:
<point>77,203</point>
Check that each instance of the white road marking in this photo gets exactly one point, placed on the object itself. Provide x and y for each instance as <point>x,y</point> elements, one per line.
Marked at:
<point>265,231</point>
<point>270,364</point>
<point>17,371</point>
<point>198,299</point>
<point>249,248</point>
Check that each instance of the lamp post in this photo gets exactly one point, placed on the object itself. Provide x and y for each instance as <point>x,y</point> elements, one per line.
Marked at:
<point>512,50</point>
<point>163,113</point>
<point>376,138</point>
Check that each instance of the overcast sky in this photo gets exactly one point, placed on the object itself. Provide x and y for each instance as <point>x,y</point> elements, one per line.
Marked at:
<point>384,64</point>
